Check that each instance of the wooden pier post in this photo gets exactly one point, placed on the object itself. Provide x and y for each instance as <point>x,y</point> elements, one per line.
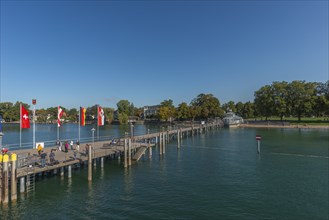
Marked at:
<point>150,150</point>
<point>160,143</point>
<point>62,171</point>
<point>5,179</point>
<point>13,177</point>
<point>22,184</point>
<point>164,143</point>
<point>90,174</point>
<point>129,152</point>
<point>102,162</point>
<point>178,139</point>
<point>69,172</point>
<point>125,153</point>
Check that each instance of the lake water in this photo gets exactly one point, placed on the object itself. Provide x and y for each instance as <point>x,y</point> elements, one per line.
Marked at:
<point>217,175</point>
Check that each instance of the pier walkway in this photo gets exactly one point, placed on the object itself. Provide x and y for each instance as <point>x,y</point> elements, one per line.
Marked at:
<point>24,165</point>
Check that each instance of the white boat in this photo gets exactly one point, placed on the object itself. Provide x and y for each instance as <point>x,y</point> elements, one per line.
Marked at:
<point>232,120</point>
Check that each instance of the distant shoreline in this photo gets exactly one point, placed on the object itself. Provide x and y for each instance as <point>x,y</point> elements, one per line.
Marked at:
<point>284,126</point>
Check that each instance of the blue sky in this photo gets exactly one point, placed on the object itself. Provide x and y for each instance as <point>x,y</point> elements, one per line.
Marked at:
<point>82,53</point>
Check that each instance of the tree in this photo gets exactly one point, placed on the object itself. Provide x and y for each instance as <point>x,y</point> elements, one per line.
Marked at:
<point>209,106</point>
<point>72,114</point>
<point>229,106</point>
<point>183,111</point>
<point>124,106</point>
<point>167,103</point>
<point>123,118</point>
<point>321,105</point>
<point>109,114</point>
<point>166,111</point>
<point>239,108</point>
<point>264,101</point>
<point>195,111</point>
<point>279,92</point>
<point>248,110</point>
<point>301,98</point>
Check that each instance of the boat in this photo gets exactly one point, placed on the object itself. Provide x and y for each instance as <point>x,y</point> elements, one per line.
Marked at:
<point>232,120</point>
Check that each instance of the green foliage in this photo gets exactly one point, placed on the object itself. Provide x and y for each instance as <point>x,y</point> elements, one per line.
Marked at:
<point>109,114</point>
<point>183,111</point>
<point>124,106</point>
<point>209,106</point>
<point>166,111</point>
<point>123,118</point>
<point>297,98</point>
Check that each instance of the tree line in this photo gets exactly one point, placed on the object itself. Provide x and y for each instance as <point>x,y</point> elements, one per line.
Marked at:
<point>280,99</point>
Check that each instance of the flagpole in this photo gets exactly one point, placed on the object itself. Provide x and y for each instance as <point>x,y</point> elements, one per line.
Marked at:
<point>20,125</point>
<point>57,123</point>
<point>79,122</point>
<point>33,123</point>
<point>97,122</point>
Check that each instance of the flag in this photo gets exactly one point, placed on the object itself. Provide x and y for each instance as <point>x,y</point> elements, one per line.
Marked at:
<point>82,116</point>
<point>25,120</point>
<point>59,115</point>
<point>100,116</point>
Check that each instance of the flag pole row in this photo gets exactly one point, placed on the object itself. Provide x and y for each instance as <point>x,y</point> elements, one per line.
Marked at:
<point>25,121</point>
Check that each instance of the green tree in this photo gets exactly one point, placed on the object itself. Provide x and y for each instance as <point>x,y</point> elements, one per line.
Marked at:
<point>321,105</point>
<point>183,111</point>
<point>229,106</point>
<point>124,106</point>
<point>239,109</point>
<point>279,92</point>
<point>248,110</point>
<point>195,111</point>
<point>166,111</point>
<point>72,115</point>
<point>264,101</point>
<point>301,98</point>
<point>209,106</point>
<point>123,118</point>
<point>109,114</point>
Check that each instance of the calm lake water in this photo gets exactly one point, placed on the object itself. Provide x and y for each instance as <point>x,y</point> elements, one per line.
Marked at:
<point>217,175</point>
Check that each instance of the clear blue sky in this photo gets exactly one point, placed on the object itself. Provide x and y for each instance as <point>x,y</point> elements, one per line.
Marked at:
<point>81,53</point>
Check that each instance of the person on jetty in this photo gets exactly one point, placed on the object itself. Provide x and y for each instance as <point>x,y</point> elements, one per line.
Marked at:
<point>52,156</point>
<point>87,149</point>
<point>78,145</point>
<point>71,145</point>
<point>43,158</point>
<point>39,149</point>
<point>59,145</point>
<point>66,146</point>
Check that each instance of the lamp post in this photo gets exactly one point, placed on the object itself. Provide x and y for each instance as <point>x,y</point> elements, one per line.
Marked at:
<point>131,130</point>
<point>1,134</point>
<point>93,132</point>
<point>34,102</point>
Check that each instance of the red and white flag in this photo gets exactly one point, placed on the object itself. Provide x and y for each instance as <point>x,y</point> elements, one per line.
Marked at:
<point>82,116</point>
<point>25,121</point>
<point>59,115</point>
<point>100,116</point>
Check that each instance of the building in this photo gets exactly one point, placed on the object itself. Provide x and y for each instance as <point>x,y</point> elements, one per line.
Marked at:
<point>150,111</point>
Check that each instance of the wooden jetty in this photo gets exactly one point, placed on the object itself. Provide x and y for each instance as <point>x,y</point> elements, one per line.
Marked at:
<point>20,167</point>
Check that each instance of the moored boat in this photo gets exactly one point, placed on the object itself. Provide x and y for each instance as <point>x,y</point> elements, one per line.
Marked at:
<point>232,120</point>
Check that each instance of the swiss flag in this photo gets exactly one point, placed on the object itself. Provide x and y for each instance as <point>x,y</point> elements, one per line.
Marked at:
<point>25,121</point>
<point>59,115</point>
<point>100,116</point>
